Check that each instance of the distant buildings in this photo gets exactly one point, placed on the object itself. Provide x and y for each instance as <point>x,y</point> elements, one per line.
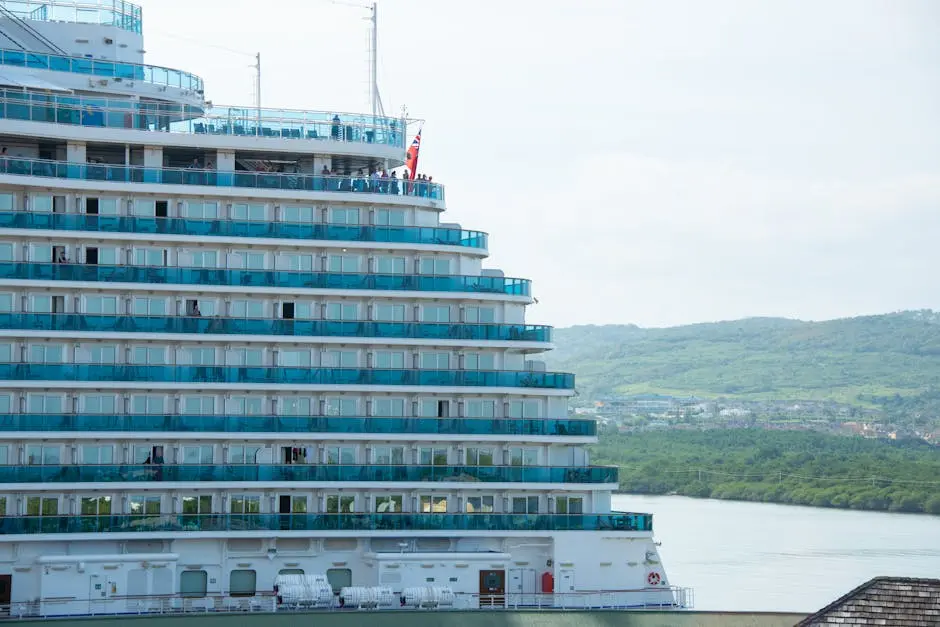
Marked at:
<point>647,412</point>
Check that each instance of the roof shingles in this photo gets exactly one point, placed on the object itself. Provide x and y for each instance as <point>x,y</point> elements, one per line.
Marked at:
<point>893,601</point>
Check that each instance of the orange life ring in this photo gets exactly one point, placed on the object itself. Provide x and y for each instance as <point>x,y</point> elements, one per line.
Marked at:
<point>653,579</point>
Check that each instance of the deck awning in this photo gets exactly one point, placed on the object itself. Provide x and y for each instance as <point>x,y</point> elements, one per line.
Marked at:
<point>29,81</point>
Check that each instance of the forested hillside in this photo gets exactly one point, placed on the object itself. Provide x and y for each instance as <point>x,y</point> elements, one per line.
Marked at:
<point>888,360</point>
<point>778,466</point>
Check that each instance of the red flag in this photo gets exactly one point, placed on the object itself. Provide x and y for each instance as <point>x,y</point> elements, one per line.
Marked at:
<point>411,157</point>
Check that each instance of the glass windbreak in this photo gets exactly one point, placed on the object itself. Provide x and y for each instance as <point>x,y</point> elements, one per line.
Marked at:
<point>154,467</point>
<point>103,69</point>
<point>150,315</point>
<point>99,413</point>
<point>42,518</point>
<point>120,13</point>
<point>293,181</point>
<point>192,118</point>
<point>203,218</point>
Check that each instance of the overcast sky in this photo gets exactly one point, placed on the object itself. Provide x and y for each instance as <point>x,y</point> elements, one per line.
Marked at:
<point>655,162</point>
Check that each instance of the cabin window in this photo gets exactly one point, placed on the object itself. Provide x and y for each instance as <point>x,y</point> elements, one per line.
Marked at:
<point>390,217</point>
<point>245,504</point>
<point>388,504</point>
<point>433,504</point>
<point>390,313</point>
<point>342,215</point>
<point>194,583</point>
<point>42,506</point>
<point>388,360</point>
<point>432,456</point>
<point>479,456</point>
<point>435,313</point>
<point>242,583</point>
<point>480,504</point>
<point>525,505</point>
<point>569,505</point>
<point>197,504</point>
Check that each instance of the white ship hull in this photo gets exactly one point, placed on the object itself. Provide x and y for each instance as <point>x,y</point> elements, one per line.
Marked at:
<point>232,350</point>
<point>111,576</point>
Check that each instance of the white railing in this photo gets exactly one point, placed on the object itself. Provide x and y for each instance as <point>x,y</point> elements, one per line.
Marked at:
<point>667,598</point>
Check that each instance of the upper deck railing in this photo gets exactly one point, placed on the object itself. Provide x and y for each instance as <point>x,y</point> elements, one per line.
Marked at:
<point>164,275</point>
<point>298,328</point>
<point>244,228</point>
<point>116,523</point>
<point>220,178</point>
<point>118,13</point>
<point>214,120</point>
<point>211,423</point>
<point>284,375</point>
<point>105,69</point>
<point>107,473</point>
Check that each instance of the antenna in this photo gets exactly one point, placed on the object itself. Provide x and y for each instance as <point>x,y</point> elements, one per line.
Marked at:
<point>374,61</point>
<point>374,96</point>
<point>257,66</point>
<point>202,44</point>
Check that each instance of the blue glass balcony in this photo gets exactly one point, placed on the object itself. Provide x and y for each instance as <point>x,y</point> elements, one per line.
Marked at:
<point>296,424</point>
<point>614,521</point>
<point>220,178</point>
<point>285,376</point>
<point>153,74</point>
<point>232,228</point>
<point>264,278</point>
<point>265,326</point>
<point>326,472</point>
<point>202,120</point>
<point>118,13</point>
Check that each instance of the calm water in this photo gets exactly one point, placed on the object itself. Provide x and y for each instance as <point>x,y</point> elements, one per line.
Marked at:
<point>762,557</point>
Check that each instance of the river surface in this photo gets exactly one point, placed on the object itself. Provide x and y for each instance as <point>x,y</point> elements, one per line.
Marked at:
<point>764,557</point>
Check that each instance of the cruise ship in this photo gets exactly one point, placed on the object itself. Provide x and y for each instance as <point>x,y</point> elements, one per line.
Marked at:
<point>233,355</point>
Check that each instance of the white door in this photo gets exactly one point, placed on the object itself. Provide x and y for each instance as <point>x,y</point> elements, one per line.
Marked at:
<point>138,587</point>
<point>99,594</point>
<point>522,587</point>
<point>515,582</point>
<point>565,588</point>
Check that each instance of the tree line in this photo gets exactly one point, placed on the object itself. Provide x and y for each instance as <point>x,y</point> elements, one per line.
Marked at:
<point>791,467</point>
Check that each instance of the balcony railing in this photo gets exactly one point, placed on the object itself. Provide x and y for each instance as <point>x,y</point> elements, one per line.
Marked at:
<point>149,423</point>
<point>117,523</point>
<point>298,472</point>
<point>120,13</point>
<point>650,598</point>
<point>220,178</point>
<point>285,375</point>
<point>202,120</point>
<point>102,69</point>
<point>234,228</point>
<point>86,323</point>
<point>264,278</point>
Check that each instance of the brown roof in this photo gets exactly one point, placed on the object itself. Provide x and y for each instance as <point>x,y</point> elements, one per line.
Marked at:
<point>900,601</point>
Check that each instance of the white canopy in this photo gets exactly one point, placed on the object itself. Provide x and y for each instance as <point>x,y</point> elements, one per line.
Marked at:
<point>29,81</point>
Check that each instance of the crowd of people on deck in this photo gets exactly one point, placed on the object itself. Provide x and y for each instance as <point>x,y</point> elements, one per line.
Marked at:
<point>381,182</point>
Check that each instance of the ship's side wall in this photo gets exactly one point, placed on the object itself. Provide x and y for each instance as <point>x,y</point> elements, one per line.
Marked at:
<point>456,619</point>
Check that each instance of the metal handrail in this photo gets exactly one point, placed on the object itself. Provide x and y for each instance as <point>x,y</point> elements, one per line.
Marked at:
<point>659,597</point>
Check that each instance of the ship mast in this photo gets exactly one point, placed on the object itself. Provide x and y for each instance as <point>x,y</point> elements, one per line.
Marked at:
<point>374,97</point>
<point>374,61</point>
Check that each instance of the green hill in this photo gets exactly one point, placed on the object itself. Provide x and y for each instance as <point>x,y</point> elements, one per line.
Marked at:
<point>892,360</point>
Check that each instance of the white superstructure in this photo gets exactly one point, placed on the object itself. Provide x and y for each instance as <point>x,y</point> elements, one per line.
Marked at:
<point>229,355</point>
